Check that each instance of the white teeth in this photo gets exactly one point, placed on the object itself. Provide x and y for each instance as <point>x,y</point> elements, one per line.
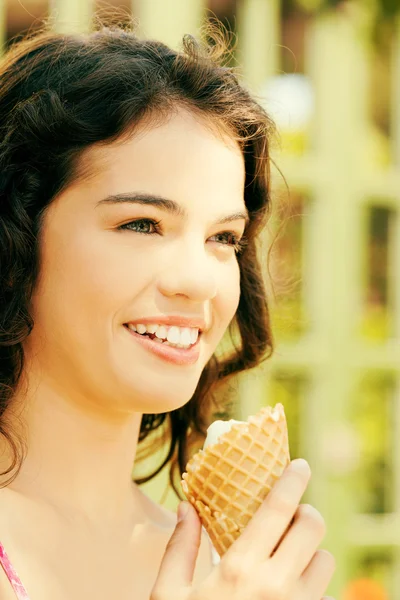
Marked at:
<point>186,337</point>
<point>194,333</point>
<point>174,335</point>
<point>156,339</point>
<point>176,345</point>
<point>162,332</point>
<point>180,337</point>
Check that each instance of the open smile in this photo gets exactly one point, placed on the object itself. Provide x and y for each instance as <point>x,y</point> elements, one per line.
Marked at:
<point>176,353</point>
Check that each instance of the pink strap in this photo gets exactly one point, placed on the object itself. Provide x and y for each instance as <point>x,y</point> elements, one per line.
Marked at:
<point>11,573</point>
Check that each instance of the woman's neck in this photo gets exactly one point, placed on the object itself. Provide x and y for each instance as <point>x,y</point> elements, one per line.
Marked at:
<point>78,459</point>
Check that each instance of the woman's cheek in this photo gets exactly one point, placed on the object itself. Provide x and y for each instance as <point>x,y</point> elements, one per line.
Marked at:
<point>229,292</point>
<point>235,287</point>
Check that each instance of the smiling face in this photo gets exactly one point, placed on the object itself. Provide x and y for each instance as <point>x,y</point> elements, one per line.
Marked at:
<point>149,239</point>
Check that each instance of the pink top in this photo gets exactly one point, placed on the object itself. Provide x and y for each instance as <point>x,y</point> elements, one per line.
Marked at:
<point>11,573</point>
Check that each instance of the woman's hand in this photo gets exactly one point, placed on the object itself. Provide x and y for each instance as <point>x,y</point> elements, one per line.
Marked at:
<point>275,558</point>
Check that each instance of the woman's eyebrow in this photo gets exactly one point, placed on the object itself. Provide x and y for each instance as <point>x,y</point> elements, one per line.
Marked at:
<point>165,204</point>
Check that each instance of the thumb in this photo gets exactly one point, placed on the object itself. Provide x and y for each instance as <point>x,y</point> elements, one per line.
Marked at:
<point>179,560</point>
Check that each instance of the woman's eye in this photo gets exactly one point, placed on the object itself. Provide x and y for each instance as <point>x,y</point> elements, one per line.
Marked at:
<point>228,238</point>
<point>151,227</point>
<point>147,226</point>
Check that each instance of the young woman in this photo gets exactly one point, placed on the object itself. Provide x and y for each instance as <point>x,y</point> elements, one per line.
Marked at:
<point>134,181</point>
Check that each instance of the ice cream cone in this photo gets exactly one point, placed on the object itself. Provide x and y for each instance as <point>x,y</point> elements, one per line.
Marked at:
<point>228,481</point>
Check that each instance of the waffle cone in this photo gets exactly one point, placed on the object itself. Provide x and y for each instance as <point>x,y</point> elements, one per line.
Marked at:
<point>228,481</point>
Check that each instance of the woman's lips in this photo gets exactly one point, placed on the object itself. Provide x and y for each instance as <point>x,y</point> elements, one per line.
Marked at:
<point>177,356</point>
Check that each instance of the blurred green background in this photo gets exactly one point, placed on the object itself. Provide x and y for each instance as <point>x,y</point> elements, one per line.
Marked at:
<point>328,71</point>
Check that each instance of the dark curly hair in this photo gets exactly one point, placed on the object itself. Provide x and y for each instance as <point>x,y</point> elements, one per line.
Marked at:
<point>61,93</point>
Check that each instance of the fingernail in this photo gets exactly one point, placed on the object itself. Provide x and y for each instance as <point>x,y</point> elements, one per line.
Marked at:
<point>183,509</point>
<point>301,465</point>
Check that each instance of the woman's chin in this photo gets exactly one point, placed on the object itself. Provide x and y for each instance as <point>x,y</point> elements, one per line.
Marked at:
<point>154,404</point>
<point>154,398</point>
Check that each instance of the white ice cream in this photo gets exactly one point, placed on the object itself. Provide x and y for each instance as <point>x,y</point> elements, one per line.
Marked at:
<point>218,428</point>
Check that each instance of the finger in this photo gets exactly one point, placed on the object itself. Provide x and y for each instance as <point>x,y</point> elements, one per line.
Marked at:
<point>300,543</point>
<point>317,576</point>
<point>271,520</point>
<point>179,560</point>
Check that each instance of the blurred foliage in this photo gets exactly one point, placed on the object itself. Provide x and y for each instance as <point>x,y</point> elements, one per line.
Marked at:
<point>288,389</point>
<point>288,312</point>
<point>296,141</point>
<point>372,415</point>
<point>383,9</point>
<point>375,18</point>
<point>376,324</point>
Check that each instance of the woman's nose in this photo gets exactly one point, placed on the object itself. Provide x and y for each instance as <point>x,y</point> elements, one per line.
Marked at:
<point>189,272</point>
